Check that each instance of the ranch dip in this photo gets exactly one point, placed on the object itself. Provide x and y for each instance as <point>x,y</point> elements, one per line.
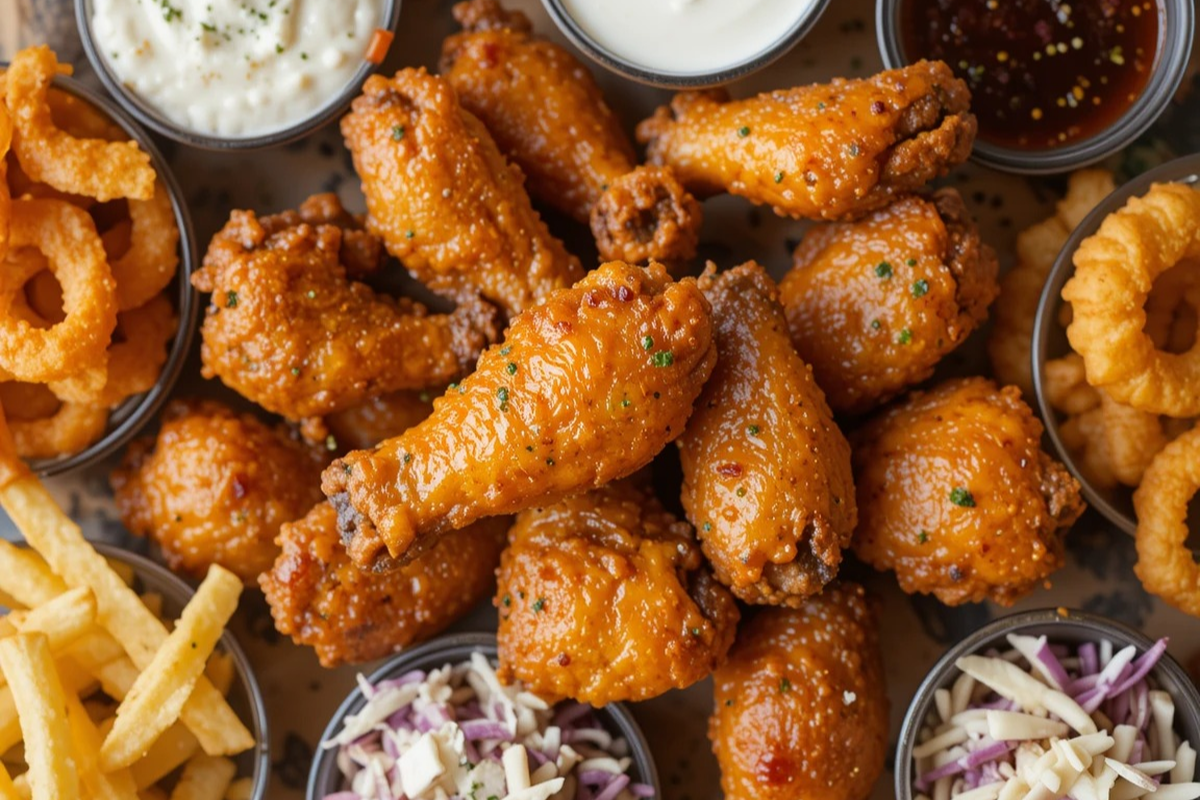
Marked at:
<point>687,36</point>
<point>235,68</point>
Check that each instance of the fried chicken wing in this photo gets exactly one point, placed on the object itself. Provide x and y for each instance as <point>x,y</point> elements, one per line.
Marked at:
<point>444,200</point>
<point>547,115</point>
<point>766,472</point>
<point>347,615</point>
<point>956,496</point>
<point>828,151</point>
<point>379,418</point>
<point>603,597</point>
<point>287,329</point>
<point>214,487</point>
<point>800,710</point>
<point>586,388</point>
<point>874,305</point>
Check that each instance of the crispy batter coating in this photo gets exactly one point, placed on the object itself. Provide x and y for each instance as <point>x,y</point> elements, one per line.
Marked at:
<point>287,329</point>
<point>828,151</point>
<point>548,116</point>
<point>347,615</point>
<point>874,305</point>
<point>360,253</point>
<point>603,597</point>
<point>214,487</point>
<point>379,418</point>
<point>800,710</point>
<point>444,200</point>
<point>956,496</point>
<point>766,472</point>
<point>586,388</point>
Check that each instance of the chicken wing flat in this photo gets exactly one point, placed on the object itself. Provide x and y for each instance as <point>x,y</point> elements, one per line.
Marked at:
<point>819,152</point>
<point>586,388</point>
<point>444,200</point>
<point>379,418</point>
<point>547,115</point>
<point>347,615</point>
<point>800,708</point>
<point>874,305</point>
<point>214,487</point>
<point>603,597</point>
<point>287,329</point>
<point>766,472</point>
<point>956,496</point>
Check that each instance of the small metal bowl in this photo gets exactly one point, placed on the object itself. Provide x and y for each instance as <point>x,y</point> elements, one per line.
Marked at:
<point>1050,338</point>
<point>127,419</point>
<point>1175,37</point>
<point>325,779</point>
<point>665,79</point>
<point>147,114</point>
<point>1067,627</point>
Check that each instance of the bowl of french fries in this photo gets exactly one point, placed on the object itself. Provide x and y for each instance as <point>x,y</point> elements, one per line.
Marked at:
<point>117,680</point>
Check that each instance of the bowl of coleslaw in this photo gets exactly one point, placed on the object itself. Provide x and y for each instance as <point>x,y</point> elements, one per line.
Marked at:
<point>435,722</point>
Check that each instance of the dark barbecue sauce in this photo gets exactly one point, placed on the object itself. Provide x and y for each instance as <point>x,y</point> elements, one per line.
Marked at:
<point>1043,73</point>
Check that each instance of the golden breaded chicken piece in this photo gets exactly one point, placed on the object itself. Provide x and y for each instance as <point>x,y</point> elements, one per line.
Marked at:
<point>444,200</point>
<point>766,472</point>
<point>379,418</point>
<point>800,710</point>
<point>828,151</point>
<point>347,615</point>
<point>287,329</point>
<point>586,388</point>
<point>604,597</point>
<point>547,115</point>
<point>874,305</point>
<point>956,496</point>
<point>214,487</point>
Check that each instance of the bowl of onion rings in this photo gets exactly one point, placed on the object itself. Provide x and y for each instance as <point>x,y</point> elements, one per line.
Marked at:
<point>96,312</point>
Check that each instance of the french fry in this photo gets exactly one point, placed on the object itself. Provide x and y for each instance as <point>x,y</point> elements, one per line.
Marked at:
<point>153,793</point>
<point>205,778</point>
<point>124,570</point>
<point>73,679</point>
<point>7,790</point>
<point>241,789</point>
<point>9,602</point>
<point>40,700</point>
<point>154,602</point>
<point>26,578</point>
<point>85,739</point>
<point>6,626</point>
<point>62,620</point>
<point>158,695</point>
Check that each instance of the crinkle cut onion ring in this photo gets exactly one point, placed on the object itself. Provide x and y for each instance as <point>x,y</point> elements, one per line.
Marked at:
<point>1166,566</point>
<point>1114,272</point>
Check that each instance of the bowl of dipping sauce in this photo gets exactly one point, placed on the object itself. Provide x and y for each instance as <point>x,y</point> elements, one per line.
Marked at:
<point>234,74</point>
<point>1059,698</point>
<point>435,722</point>
<point>685,44</point>
<point>1055,86</point>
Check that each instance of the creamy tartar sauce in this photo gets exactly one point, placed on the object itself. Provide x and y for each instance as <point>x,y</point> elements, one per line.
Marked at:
<point>687,36</point>
<point>235,68</point>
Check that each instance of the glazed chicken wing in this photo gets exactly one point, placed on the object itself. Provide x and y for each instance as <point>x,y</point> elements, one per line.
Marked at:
<point>828,151</point>
<point>766,472</point>
<point>586,388</point>
<point>444,200</point>
<point>214,487</point>
<point>956,496</point>
<point>874,305</point>
<point>287,329</point>
<point>800,708</point>
<point>603,597</point>
<point>379,418</point>
<point>547,115</point>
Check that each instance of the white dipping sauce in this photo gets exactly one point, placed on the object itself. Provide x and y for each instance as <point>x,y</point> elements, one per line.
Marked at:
<point>687,36</point>
<point>235,68</point>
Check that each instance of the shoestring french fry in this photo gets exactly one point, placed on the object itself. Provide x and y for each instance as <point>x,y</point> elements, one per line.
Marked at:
<point>40,700</point>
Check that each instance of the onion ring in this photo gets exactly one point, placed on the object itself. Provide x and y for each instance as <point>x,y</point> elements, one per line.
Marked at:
<point>94,167</point>
<point>1165,565</point>
<point>152,258</point>
<point>74,427</point>
<point>5,195</point>
<point>1132,439</point>
<point>1114,273</point>
<point>27,401</point>
<point>81,119</point>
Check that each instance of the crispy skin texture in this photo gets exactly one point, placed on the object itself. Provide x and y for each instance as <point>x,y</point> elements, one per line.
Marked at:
<point>766,472</point>
<point>835,295</point>
<point>963,434</point>
<point>547,115</point>
<point>360,252</point>
<point>444,200</point>
<point>800,708</point>
<point>214,487</point>
<point>379,418</point>
<point>828,151</point>
<point>582,404</point>
<point>347,615</point>
<point>287,329</point>
<point>603,597</point>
